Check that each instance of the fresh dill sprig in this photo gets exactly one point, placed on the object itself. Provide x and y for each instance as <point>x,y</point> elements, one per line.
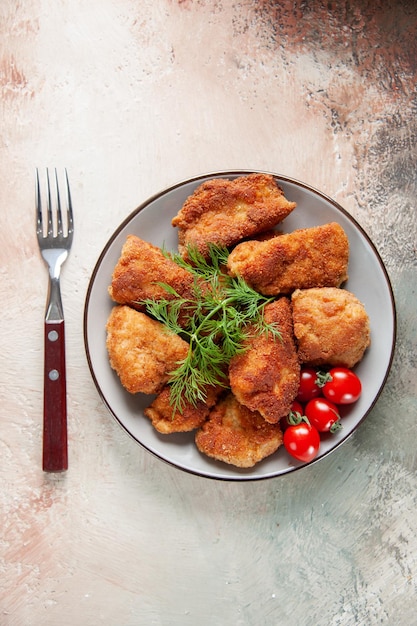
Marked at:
<point>198,264</point>
<point>224,313</point>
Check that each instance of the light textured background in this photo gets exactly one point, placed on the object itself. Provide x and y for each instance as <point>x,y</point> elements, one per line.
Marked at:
<point>132,97</point>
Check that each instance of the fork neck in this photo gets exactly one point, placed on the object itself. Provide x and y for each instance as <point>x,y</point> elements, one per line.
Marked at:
<point>54,310</point>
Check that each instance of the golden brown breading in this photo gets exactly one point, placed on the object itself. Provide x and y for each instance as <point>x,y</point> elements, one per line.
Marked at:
<point>160,412</point>
<point>331,327</point>
<point>225,211</point>
<point>235,435</point>
<point>142,351</point>
<point>140,267</point>
<point>266,376</point>
<point>309,257</point>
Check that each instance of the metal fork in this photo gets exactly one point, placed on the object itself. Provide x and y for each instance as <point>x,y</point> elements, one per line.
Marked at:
<point>54,229</point>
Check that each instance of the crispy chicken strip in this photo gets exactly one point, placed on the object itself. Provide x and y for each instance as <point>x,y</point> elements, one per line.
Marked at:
<point>225,211</point>
<point>141,350</point>
<point>140,268</point>
<point>165,421</point>
<point>266,376</point>
<point>309,257</point>
<point>235,435</point>
<point>331,327</point>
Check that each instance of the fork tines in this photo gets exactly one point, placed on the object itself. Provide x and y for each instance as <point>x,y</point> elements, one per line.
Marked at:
<point>52,220</point>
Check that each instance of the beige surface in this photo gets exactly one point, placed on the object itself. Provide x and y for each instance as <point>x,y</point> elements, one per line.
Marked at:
<point>132,97</point>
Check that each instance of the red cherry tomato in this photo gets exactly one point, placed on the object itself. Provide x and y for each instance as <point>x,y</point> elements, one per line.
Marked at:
<point>296,408</point>
<point>302,441</point>
<point>323,415</point>
<point>308,388</point>
<point>344,387</point>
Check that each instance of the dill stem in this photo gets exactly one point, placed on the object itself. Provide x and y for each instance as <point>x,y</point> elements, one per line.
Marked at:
<point>221,305</point>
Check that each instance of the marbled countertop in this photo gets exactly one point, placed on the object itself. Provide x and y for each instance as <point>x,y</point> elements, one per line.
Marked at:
<point>132,97</point>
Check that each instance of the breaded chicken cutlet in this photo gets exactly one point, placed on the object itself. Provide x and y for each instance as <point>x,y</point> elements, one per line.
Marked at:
<point>141,350</point>
<point>140,269</point>
<point>266,376</point>
<point>237,436</point>
<point>165,421</point>
<point>223,212</point>
<point>309,257</point>
<point>331,327</point>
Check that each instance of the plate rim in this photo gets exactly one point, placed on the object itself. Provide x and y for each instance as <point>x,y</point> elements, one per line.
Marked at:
<point>225,174</point>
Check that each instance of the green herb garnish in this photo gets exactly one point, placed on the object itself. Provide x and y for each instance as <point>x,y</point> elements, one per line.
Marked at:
<point>222,314</point>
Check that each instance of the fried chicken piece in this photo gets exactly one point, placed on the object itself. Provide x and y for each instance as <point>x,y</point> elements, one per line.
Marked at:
<point>309,257</point>
<point>225,211</point>
<point>140,268</point>
<point>141,350</point>
<point>331,327</point>
<point>235,435</point>
<point>266,376</point>
<point>165,421</point>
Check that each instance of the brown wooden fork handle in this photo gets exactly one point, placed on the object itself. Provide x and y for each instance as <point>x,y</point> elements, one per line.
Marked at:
<point>55,445</point>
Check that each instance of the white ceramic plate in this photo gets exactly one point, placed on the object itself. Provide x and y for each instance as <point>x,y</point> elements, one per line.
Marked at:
<point>151,221</point>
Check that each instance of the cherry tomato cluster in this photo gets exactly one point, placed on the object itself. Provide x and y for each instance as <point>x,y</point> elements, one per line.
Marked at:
<point>315,410</point>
